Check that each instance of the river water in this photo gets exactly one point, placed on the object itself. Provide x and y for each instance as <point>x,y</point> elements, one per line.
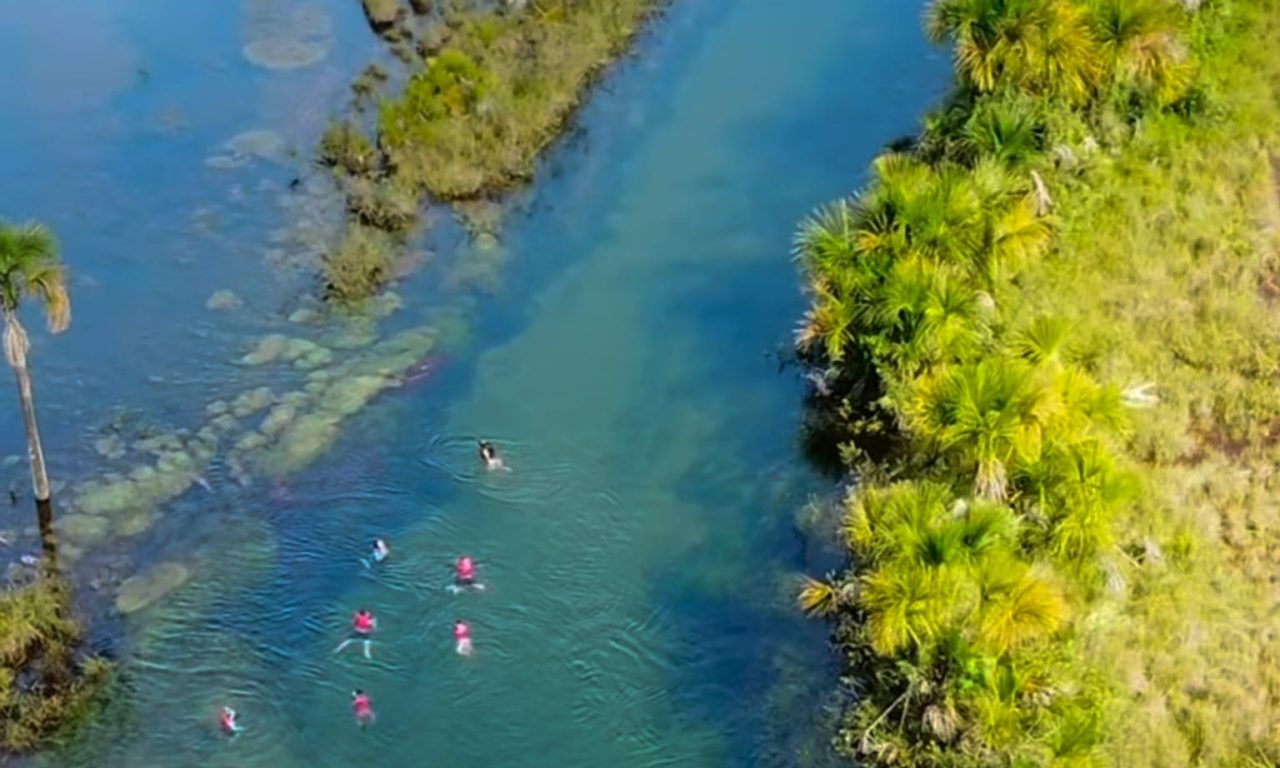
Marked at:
<point>640,555</point>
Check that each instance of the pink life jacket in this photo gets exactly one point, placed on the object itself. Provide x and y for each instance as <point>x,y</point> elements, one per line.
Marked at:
<point>466,569</point>
<point>461,631</point>
<point>362,706</point>
<point>363,623</point>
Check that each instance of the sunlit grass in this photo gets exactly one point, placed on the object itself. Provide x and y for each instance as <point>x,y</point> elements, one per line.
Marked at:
<point>1136,624</point>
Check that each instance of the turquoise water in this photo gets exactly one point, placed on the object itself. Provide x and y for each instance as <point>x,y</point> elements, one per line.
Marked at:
<point>640,554</point>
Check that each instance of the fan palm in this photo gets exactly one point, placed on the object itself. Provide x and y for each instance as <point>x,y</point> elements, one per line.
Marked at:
<point>819,597</point>
<point>29,268</point>
<point>1042,46</point>
<point>907,606</point>
<point>1045,341</point>
<point>1009,130</point>
<point>986,414</point>
<point>1138,40</point>
<point>1019,605</point>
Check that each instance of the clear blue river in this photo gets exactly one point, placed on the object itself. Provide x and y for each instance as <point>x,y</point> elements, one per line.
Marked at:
<point>621,347</point>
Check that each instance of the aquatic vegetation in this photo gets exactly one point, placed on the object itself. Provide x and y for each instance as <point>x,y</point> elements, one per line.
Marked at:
<point>279,53</point>
<point>1038,336</point>
<point>44,683</point>
<point>279,37</point>
<point>359,265</point>
<point>139,591</point>
<point>475,118</point>
<point>492,87</point>
<point>30,269</point>
<point>382,14</point>
<point>387,206</point>
<point>266,145</point>
<point>344,147</point>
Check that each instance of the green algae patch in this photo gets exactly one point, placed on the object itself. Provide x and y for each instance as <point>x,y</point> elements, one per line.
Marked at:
<point>306,426</point>
<point>83,529</point>
<point>475,117</point>
<point>138,494</point>
<point>138,592</point>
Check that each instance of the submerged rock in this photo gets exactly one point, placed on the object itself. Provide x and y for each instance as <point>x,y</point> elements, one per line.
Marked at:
<point>226,162</point>
<point>282,53</point>
<point>110,447</point>
<point>224,423</point>
<point>264,144</point>
<point>385,304</point>
<point>270,347</point>
<point>83,529</point>
<point>252,401</point>
<point>137,592</point>
<point>353,335</point>
<point>304,316</point>
<point>222,300</point>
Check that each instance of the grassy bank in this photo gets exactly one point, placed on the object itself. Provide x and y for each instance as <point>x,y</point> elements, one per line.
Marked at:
<point>1046,338</point>
<point>489,91</point>
<point>44,686</point>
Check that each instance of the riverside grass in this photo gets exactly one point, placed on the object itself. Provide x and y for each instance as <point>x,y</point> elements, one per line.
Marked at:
<point>1045,578</point>
<point>43,687</point>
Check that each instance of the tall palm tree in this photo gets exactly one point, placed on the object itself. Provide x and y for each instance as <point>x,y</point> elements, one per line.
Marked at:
<point>29,268</point>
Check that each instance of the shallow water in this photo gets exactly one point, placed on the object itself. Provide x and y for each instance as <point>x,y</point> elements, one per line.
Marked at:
<point>638,556</point>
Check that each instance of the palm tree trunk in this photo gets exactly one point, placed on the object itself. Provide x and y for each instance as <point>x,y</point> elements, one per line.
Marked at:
<point>39,475</point>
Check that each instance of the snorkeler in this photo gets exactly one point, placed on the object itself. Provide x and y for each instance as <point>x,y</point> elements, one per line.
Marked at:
<point>377,554</point>
<point>462,638</point>
<point>228,721</point>
<point>489,455</point>
<point>362,706</point>
<point>464,575</point>
<point>362,626</point>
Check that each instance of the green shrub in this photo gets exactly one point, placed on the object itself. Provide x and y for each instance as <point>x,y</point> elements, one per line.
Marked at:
<point>359,265</point>
<point>344,147</point>
<point>43,685</point>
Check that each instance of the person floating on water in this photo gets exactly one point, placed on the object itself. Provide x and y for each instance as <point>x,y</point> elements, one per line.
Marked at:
<point>228,721</point>
<point>362,626</point>
<point>377,554</point>
<point>462,638</point>
<point>489,455</point>
<point>362,706</point>
<point>464,575</point>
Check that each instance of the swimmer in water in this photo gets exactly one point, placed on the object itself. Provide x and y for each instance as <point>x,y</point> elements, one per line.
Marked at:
<point>464,575</point>
<point>363,625</point>
<point>489,455</point>
<point>363,708</point>
<point>377,554</point>
<point>228,721</point>
<point>462,638</point>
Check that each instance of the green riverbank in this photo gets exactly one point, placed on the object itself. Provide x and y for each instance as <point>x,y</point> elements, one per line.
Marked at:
<point>1043,338</point>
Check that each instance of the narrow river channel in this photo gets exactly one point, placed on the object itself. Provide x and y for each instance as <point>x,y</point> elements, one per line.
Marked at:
<point>639,556</point>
